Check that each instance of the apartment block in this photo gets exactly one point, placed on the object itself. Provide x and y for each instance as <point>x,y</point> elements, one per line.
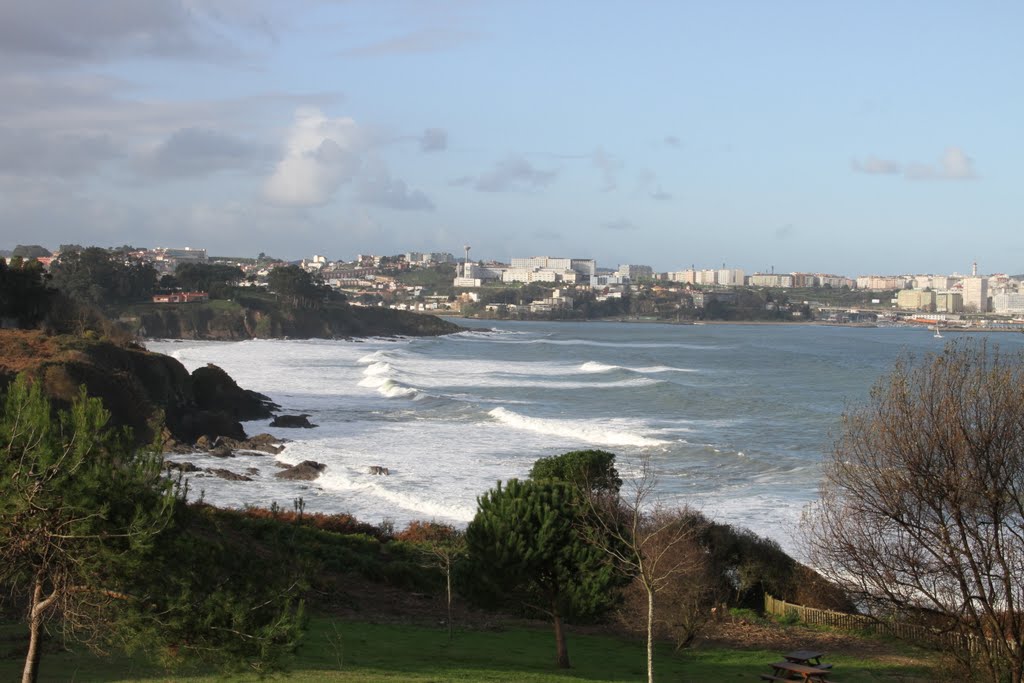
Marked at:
<point>975,292</point>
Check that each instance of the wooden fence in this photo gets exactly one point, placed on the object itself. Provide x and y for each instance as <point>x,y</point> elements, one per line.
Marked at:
<point>916,633</point>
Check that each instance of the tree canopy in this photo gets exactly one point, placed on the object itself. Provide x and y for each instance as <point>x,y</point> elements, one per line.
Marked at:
<point>95,541</point>
<point>79,508</point>
<point>101,278</point>
<point>24,294</point>
<point>213,278</point>
<point>592,471</point>
<point>524,547</point>
<point>295,285</point>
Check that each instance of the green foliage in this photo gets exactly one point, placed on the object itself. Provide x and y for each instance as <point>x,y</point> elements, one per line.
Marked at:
<point>214,278</point>
<point>93,538</point>
<point>220,595</point>
<point>525,547</point>
<point>30,251</point>
<point>80,509</point>
<point>98,277</point>
<point>591,471</point>
<point>340,651</point>
<point>24,294</point>
<point>295,286</point>
<point>747,565</point>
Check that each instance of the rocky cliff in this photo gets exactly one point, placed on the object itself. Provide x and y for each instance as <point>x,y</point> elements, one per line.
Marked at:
<point>259,318</point>
<point>143,391</point>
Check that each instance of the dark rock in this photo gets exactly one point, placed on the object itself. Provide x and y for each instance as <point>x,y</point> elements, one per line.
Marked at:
<point>261,319</point>
<point>292,421</point>
<point>251,470</point>
<point>180,466</point>
<point>262,443</point>
<point>151,394</point>
<point>227,474</point>
<point>214,390</point>
<point>210,424</point>
<point>377,469</point>
<point>222,452</point>
<point>307,470</point>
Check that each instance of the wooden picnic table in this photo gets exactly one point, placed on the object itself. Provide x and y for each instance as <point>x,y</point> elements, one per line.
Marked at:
<point>811,657</point>
<point>805,672</point>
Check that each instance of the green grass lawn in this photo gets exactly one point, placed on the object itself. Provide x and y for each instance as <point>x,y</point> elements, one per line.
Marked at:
<point>355,652</point>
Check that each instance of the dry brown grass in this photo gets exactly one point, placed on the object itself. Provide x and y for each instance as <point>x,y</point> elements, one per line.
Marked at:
<point>26,349</point>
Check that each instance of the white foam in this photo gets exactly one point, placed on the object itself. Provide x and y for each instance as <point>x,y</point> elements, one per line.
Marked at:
<point>388,387</point>
<point>579,430</point>
<point>594,366</point>
<point>371,358</point>
<point>378,368</point>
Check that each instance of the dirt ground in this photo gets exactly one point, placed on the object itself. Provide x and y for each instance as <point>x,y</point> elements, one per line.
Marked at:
<point>744,635</point>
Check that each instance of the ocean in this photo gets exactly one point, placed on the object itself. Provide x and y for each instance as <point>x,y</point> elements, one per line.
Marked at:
<point>733,419</point>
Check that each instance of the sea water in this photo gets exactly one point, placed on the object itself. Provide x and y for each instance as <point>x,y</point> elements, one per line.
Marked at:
<point>733,420</point>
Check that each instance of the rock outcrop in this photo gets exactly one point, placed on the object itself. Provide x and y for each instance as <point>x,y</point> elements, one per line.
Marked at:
<point>227,474</point>
<point>292,421</point>
<point>308,470</point>
<point>143,391</point>
<point>249,317</point>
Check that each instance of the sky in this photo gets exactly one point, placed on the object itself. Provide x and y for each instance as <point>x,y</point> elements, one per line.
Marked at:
<point>848,138</point>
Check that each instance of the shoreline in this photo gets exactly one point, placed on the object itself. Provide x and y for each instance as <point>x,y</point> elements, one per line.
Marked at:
<point>756,323</point>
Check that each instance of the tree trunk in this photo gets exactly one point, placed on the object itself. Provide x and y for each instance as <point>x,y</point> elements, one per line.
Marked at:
<point>650,634</point>
<point>561,651</point>
<point>35,627</point>
<point>448,576</point>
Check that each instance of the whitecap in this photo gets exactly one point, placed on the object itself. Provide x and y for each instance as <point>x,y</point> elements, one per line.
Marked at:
<point>574,429</point>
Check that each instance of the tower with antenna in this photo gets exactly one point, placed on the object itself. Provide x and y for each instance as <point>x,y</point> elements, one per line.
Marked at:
<point>465,263</point>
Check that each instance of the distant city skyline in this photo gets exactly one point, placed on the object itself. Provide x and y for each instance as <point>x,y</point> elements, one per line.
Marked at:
<point>873,137</point>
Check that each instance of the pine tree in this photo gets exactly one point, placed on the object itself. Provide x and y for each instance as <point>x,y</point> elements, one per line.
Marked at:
<point>524,546</point>
<point>79,508</point>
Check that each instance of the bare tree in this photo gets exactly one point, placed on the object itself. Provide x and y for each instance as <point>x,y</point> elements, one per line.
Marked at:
<point>922,504</point>
<point>654,546</point>
<point>441,547</point>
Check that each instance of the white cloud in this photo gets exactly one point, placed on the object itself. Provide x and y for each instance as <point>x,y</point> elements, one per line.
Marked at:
<point>954,165</point>
<point>320,155</point>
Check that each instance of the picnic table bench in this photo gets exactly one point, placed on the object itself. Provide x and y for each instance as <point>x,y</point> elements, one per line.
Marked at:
<point>811,657</point>
<point>787,671</point>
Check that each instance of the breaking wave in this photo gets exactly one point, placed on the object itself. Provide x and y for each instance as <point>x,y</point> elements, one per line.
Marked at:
<point>574,429</point>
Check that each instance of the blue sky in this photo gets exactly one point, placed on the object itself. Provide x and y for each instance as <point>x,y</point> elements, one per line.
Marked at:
<point>868,137</point>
